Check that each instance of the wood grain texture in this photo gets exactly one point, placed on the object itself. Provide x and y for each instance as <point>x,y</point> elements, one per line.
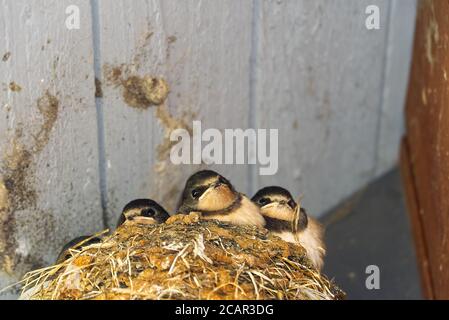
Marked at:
<point>427,139</point>
<point>319,79</point>
<point>124,34</point>
<point>203,50</point>
<point>209,68</point>
<point>413,209</point>
<point>49,177</point>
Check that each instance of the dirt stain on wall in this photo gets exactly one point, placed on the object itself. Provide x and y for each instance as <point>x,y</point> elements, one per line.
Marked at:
<point>14,87</point>
<point>6,56</point>
<point>98,88</point>
<point>144,91</point>
<point>17,183</point>
<point>140,92</point>
<point>171,178</point>
<point>48,106</point>
<point>170,123</point>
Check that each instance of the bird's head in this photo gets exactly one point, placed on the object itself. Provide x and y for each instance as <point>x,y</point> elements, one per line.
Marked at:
<point>207,191</point>
<point>145,211</point>
<point>75,244</point>
<point>277,203</point>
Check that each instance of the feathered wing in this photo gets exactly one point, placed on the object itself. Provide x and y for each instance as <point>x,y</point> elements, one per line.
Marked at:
<point>311,239</point>
<point>247,213</point>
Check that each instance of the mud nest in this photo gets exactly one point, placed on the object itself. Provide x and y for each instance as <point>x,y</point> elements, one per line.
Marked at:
<point>185,258</point>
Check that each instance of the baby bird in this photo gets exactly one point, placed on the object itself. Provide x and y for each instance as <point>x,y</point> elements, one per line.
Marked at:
<point>289,222</point>
<point>76,244</point>
<point>144,211</point>
<point>212,195</point>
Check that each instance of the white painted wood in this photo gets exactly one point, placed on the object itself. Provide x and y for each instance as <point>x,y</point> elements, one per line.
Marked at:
<point>319,81</point>
<point>209,68</point>
<point>202,49</point>
<point>48,158</point>
<point>399,55</point>
<point>311,69</point>
<point>124,29</point>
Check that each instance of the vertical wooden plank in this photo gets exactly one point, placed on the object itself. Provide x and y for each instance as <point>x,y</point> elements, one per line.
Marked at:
<point>208,66</point>
<point>49,179</point>
<point>427,137</point>
<point>399,54</point>
<point>417,225</point>
<point>124,50</point>
<point>319,81</point>
<point>202,49</point>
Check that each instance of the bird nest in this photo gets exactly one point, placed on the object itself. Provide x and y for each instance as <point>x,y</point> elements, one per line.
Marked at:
<point>184,258</point>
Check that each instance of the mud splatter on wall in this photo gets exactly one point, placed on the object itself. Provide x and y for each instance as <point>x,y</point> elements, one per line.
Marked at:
<point>18,184</point>
<point>230,64</point>
<point>140,92</point>
<point>48,137</point>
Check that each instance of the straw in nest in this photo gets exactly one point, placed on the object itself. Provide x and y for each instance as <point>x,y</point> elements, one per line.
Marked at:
<point>185,258</point>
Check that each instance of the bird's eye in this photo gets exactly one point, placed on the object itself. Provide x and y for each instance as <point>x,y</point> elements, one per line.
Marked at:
<point>292,204</point>
<point>196,193</point>
<point>264,201</point>
<point>222,180</point>
<point>148,212</point>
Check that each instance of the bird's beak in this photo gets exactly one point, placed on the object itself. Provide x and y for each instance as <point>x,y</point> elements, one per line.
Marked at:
<point>144,220</point>
<point>209,190</point>
<point>269,206</point>
<point>277,210</point>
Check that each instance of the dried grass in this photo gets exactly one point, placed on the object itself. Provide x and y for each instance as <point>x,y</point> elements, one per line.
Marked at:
<point>183,259</point>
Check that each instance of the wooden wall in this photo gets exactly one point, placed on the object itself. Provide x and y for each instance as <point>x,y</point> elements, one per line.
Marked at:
<point>71,159</point>
<point>425,148</point>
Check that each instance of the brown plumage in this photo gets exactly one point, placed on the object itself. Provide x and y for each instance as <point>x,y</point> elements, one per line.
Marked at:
<point>145,211</point>
<point>286,219</point>
<point>212,195</point>
<point>75,244</point>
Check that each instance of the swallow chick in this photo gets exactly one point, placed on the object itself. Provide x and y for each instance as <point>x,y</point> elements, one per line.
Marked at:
<point>214,197</point>
<point>145,211</point>
<point>75,244</point>
<point>286,219</point>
